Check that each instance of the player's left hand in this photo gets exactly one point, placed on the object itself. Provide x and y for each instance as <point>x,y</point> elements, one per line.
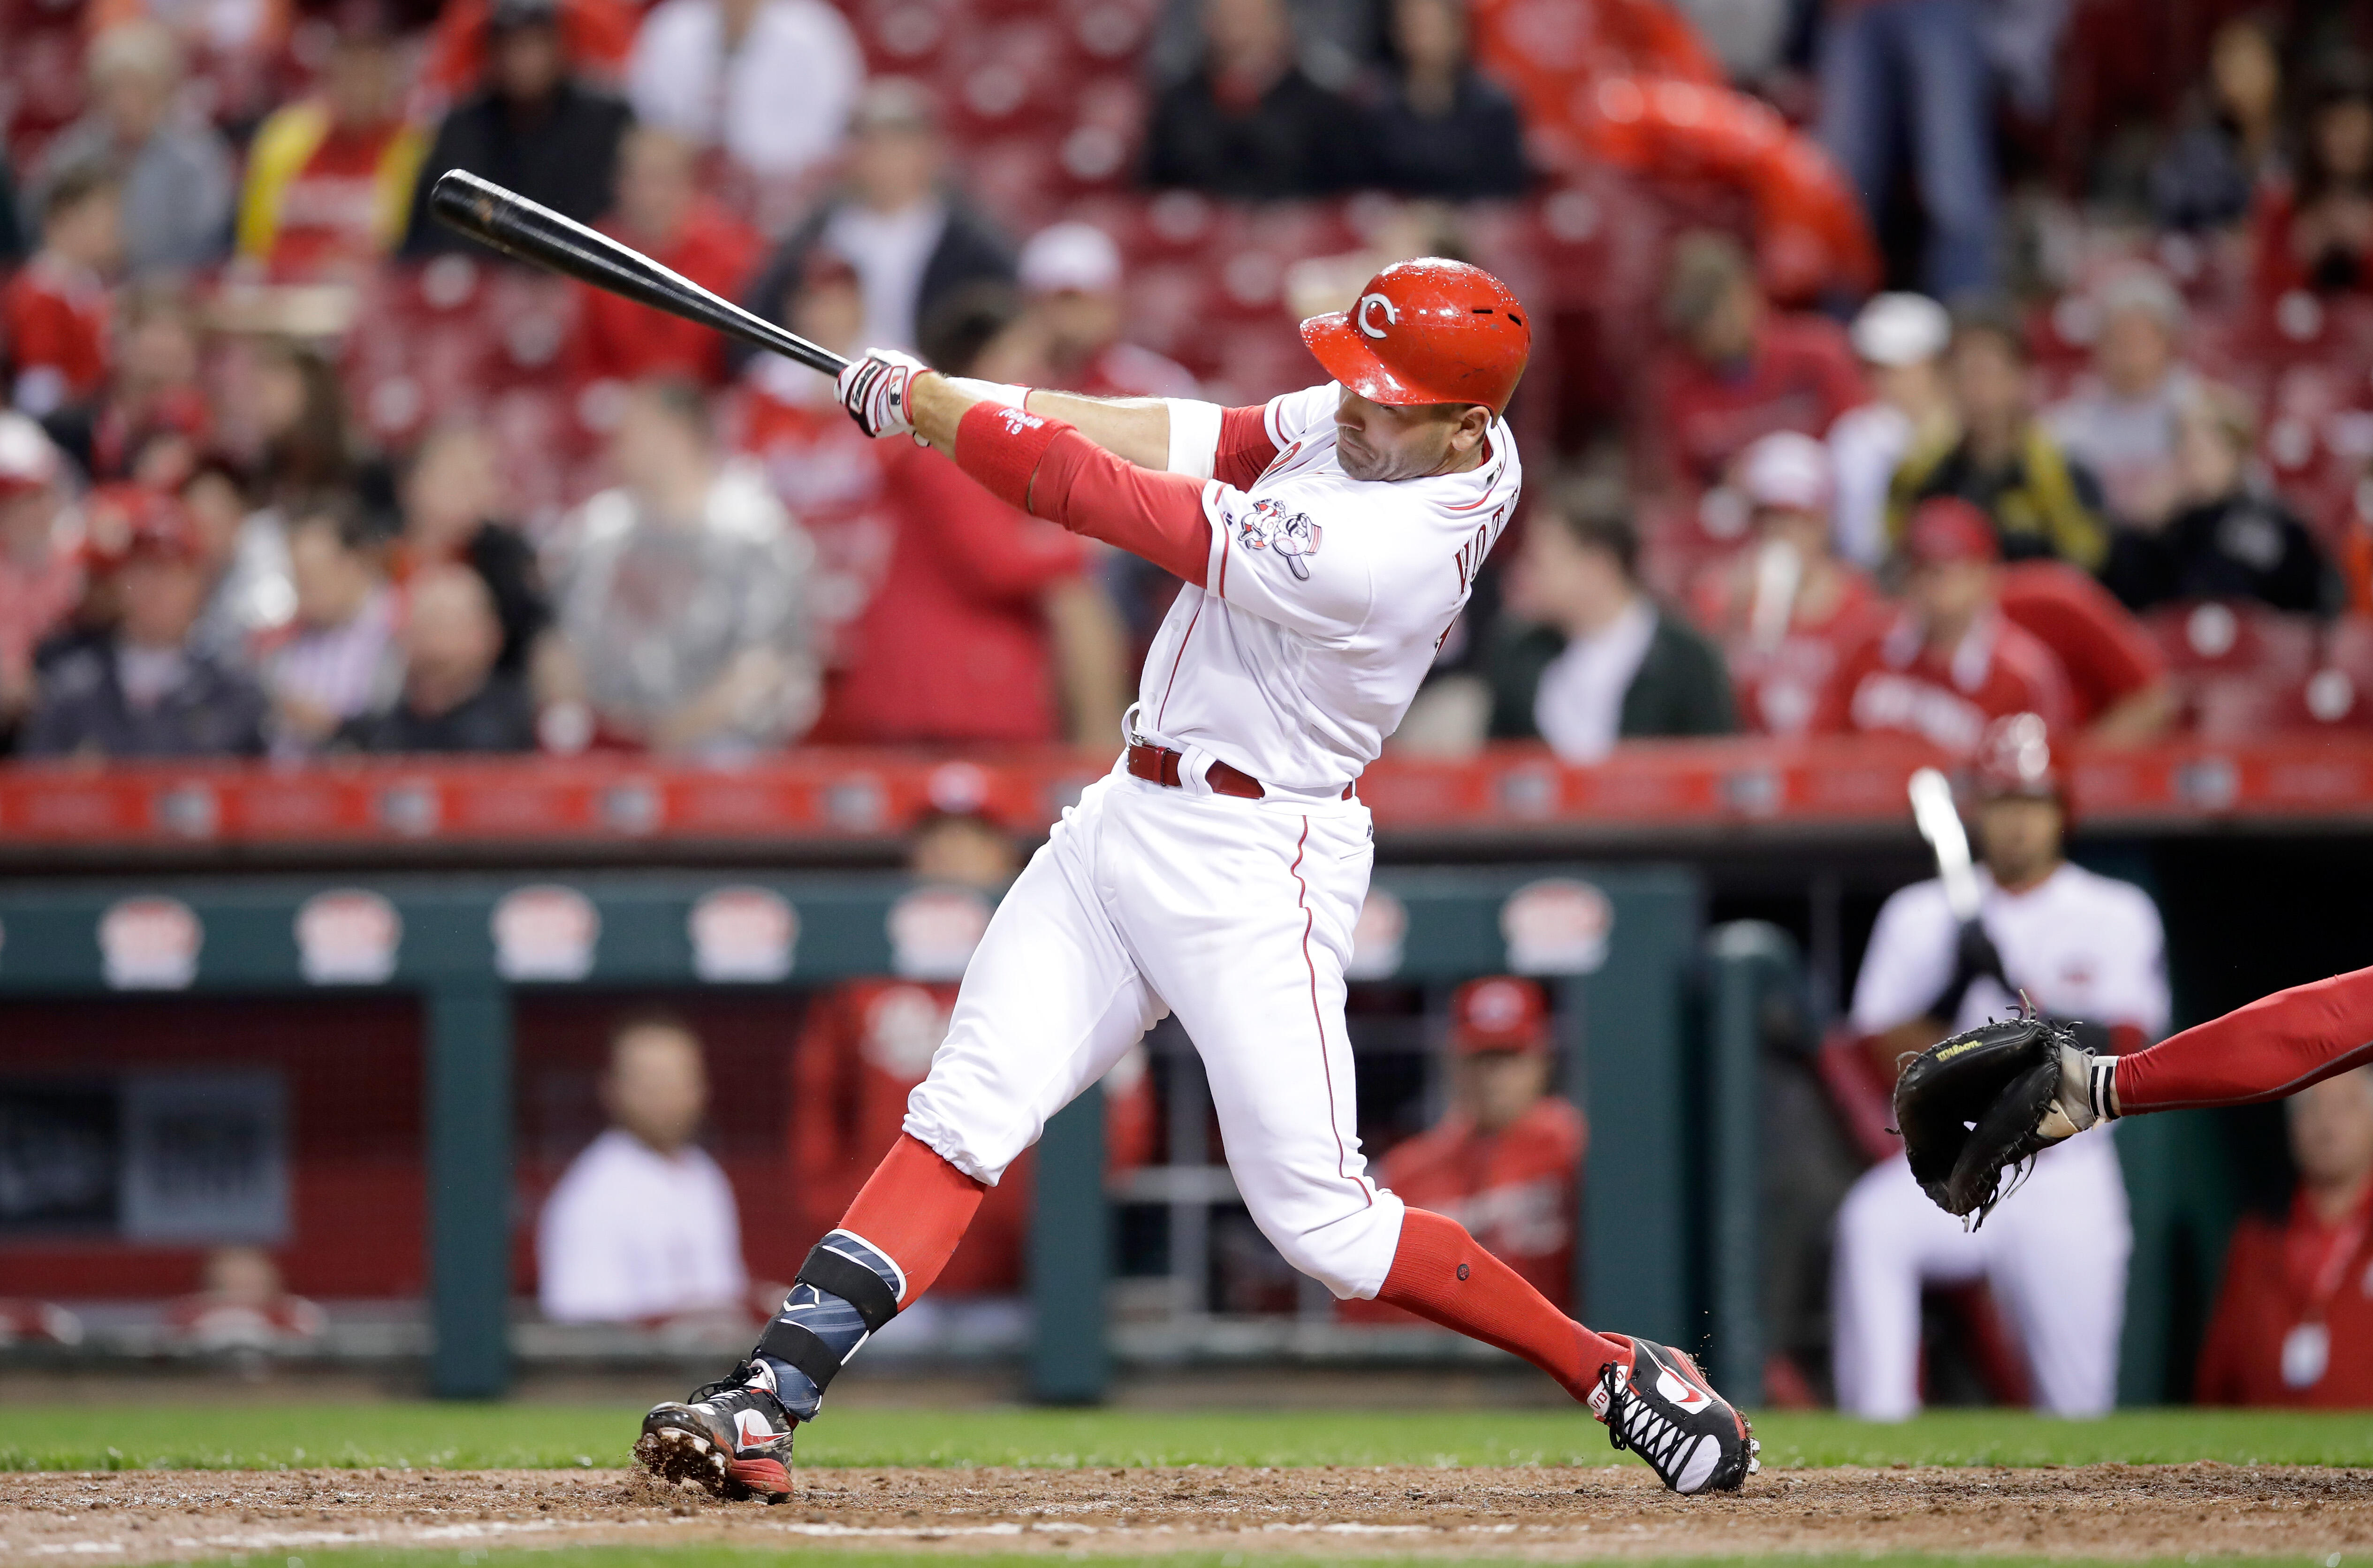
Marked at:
<point>874,389</point>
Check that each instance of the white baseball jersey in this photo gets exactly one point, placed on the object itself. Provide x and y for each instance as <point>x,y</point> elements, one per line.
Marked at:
<point>2082,945</point>
<point>1325,600</point>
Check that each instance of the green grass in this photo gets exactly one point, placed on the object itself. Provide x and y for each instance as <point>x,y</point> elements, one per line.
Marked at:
<point>128,1436</point>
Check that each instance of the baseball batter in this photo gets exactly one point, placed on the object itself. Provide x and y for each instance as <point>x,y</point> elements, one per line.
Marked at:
<point>1328,540</point>
<point>2054,1255</point>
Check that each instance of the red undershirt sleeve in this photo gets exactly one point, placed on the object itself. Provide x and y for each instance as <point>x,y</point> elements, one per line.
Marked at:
<point>1048,468</point>
<point>2276,1045</point>
<point>1244,446</point>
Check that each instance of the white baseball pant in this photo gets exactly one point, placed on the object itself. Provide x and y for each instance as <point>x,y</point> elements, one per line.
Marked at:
<point>1236,914</point>
<point>2054,1256</point>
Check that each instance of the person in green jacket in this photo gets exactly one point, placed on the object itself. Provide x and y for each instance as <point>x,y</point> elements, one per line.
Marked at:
<point>1587,658</point>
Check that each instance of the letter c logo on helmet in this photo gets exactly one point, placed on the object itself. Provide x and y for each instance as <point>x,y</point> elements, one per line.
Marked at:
<point>1427,330</point>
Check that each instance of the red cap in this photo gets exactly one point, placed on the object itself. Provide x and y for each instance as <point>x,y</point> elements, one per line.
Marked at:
<point>124,520</point>
<point>1500,1013</point>
<point>2015,759</point>
<point>1427,330</point>
<point>1946,529</point>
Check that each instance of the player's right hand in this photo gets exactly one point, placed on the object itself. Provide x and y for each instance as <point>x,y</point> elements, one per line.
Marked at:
<point>873,389</point>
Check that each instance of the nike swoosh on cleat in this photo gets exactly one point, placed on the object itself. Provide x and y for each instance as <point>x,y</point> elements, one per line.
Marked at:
<point>1681,1391</point>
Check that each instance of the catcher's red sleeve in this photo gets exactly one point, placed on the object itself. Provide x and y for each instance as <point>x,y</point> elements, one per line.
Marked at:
<point>2276,1045</point>
<point>1047,466</point>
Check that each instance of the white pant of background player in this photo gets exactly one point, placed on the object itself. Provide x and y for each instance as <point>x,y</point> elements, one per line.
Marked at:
<point>2054,1256</point>
<point>1237,916</point>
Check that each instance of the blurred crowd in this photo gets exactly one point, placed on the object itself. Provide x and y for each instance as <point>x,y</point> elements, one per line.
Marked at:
<point>1905,363</point>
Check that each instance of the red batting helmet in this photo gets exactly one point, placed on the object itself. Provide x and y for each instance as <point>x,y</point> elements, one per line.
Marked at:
<point>1427,330</point>
<point>2015,759</point>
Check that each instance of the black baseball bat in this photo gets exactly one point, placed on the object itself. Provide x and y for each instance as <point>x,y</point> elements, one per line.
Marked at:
<point>534,233</point>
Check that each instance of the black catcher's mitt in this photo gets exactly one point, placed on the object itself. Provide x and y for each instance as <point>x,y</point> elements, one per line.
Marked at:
<point>1985,1101</point>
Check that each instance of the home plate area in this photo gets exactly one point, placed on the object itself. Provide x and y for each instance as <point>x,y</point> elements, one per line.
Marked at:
<point>2113,1511</point>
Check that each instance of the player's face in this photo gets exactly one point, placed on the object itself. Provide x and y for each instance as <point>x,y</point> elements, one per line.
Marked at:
<point>2021,838</point>
<point>2332,1129</point>
<point>1377,442</point>
<point>1502,1085</point>
<point>1949,594</point>
<point>657,1088</point>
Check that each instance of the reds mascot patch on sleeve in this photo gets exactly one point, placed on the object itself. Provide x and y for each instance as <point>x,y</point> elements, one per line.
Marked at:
<point>1288,535</point>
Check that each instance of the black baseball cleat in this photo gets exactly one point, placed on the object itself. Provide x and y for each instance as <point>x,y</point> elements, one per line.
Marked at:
<point>1661,1408</point>
<point>733,1436</point>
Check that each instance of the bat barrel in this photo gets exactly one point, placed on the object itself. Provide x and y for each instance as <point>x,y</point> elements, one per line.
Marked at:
<point>530,232</point>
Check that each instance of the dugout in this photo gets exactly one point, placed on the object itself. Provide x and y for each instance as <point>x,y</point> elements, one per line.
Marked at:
<point>231,924</point>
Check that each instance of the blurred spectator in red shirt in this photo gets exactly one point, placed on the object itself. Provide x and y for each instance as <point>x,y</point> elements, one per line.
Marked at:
<point>866,1043</point>
<point>1999,457</point>
<point>683,592</point>
<point>662,213</point>
<point>1250,121</point>
<point>1900,339</point>
<point>1951,660</point>
<point>533,127</point>
<point>338,659</point>
<point>832,477</point>
<point>2120,421</point>
<point>142,689</point>
<point>2319,233</point>
<point>2118,693</point>
<point>2294,1325</point>
<point>455,697</point>
<point>177,174</point>
<point>2230,539</point>
<point>1740,369</point>
<point>1071,274</point>
<point>1506,1161</point>
<point>330,176</point>
<point>53,312</point>
<point>769,81</point>
<point>153,424</point>
<point>912,242</point>
<point>454,507</point>
<point>985,627</point>
<point>1785,609</point>
<point>41,572</point>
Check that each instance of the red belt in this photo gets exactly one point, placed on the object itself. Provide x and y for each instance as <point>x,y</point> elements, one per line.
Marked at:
<point>1158,764</point>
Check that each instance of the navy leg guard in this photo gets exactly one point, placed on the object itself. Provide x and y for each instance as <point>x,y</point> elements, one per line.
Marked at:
<point>845,1291</point>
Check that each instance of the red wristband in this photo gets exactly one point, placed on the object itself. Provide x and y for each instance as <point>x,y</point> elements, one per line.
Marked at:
<point>1001,446</point>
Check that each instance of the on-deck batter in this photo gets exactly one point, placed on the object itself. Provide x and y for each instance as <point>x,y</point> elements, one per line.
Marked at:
<point>1327,540</point>
<point>2055,1253</point>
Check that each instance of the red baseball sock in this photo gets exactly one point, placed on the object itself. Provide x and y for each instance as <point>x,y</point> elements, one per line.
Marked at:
<point>915,1207</point>
<point>1442,1274</point>
<point>2276,1045</point>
